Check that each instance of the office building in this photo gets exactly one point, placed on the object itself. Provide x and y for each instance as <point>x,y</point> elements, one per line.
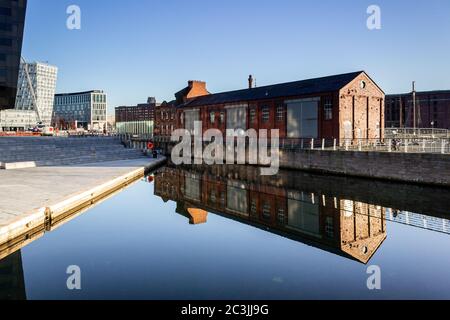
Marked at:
<point>82,110</point>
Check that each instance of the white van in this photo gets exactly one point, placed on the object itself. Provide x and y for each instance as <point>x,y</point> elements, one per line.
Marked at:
<point>48,132</point>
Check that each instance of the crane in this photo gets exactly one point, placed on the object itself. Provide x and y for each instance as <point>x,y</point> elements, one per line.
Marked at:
<point>30,85</point>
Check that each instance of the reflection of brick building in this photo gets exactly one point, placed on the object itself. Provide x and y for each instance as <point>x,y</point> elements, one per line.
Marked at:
<point>348,228</point>
<point>342,106</point>
<point>432,110</point>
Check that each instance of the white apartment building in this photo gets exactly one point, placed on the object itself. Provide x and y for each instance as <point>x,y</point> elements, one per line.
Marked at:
<point>43,80</point>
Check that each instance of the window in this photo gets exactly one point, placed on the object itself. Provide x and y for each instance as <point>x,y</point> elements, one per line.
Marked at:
<point>6,27</point>
<point>281,216</point>
<point>329,227</point>
<point>265,114</point>
<point>252,115</point>
<point>266,211</point>
<point>6,42</point>
<point>191,116</point>
<point>363,84</point>
<point>212,117</point>
<point>237,117</point>
<point>222,117</point>
<point>280,113</point>
<point>5,11</point>
<point>328,109</point>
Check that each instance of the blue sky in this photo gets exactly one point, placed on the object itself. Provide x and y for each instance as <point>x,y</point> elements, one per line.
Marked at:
<point>138,48</point>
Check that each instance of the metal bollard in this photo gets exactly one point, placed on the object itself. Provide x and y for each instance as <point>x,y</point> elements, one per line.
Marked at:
<point>312,144</point>
<point>334,144</point>
<point>323,144</point>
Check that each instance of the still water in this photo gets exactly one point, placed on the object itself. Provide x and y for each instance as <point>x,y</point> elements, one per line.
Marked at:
<point>228,233</point>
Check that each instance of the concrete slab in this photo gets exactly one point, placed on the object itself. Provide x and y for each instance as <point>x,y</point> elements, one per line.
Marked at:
<point>30,195</point>
<point>18,165</point>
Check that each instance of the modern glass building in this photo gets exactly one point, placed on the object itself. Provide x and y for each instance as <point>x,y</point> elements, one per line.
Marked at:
<point>85,110</point>
<point>12,20</point>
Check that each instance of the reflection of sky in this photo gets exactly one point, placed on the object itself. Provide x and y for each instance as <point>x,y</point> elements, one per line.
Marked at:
<point>136,246</point>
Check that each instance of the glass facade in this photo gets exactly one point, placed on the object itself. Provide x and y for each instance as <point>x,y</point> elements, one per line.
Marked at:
<point>84,110</point>
<point>12,20</point>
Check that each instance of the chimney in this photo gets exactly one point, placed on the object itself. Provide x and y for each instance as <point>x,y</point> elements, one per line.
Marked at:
<point>196,89</point>
<point>250,81</point>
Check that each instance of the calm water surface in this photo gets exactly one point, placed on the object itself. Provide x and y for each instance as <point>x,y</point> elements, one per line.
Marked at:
<point>228,233</point>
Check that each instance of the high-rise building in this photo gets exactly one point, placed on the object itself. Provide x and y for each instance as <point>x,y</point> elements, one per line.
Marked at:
<point>80,110</point>
<point>12,20</point>
<point>42,78</point>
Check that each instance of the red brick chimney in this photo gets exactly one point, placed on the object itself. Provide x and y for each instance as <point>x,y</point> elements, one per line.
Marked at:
<point>196,89</point>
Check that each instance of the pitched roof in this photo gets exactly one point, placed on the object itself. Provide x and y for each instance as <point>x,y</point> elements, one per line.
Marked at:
<point>290,89</point>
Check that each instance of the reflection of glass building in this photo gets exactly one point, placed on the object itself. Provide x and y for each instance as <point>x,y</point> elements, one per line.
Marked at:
<point>12,20</point>
<point>12,282</point>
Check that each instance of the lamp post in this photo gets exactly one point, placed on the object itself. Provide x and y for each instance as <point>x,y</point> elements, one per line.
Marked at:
<point>432,129</point>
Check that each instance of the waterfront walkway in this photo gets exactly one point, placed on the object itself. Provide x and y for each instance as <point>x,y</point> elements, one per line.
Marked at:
<point>31,197</point>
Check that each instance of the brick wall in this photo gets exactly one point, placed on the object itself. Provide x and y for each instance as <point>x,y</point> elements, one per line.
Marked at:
<point>362,108</point>
<point>431,169</point>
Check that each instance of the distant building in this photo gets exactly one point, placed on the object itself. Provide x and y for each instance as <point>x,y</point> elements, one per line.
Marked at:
<point>165,119</point>
<point>43,81</point>
<point>16,120</point>
<point>85,110</point>
<point>12,20</point>
<point>342,107</point>
<point>136,119</point>
<point>432,110</point>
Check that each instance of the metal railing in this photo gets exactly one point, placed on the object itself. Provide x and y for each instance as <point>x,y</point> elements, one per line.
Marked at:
<point>419,220</point>
<point>423,145</point>
<point>411,133</point>
<point>391,145</point>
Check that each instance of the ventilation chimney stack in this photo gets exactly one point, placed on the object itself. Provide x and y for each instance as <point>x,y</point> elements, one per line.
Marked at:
<point>250,81</point>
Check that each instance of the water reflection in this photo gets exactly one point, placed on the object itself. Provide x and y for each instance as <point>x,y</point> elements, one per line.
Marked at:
<point>137,253</point>
<point>12,283</point>
<point>339,215</point>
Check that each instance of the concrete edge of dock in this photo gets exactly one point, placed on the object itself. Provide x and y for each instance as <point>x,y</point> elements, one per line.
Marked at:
<point>45,215</point>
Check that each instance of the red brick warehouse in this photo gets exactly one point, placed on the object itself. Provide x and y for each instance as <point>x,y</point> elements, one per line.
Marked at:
<point>346,106</point>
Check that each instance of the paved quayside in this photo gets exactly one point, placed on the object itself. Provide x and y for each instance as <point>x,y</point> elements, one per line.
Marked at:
<point>34,197</point>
